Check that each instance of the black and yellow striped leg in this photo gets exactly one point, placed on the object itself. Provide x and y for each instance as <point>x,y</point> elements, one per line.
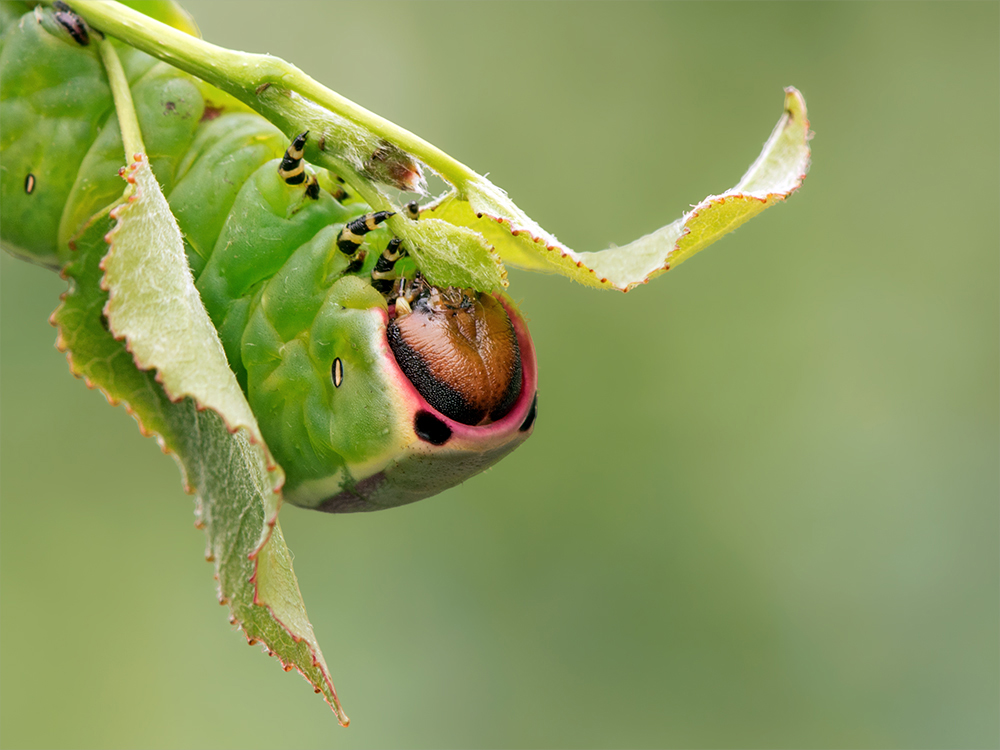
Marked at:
<point>312,188</point>
<point>291,169</point>
<point>352,235</point>
<point>384,272</point>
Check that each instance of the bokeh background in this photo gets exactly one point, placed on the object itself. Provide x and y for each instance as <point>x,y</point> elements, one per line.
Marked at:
<point>760,508</point>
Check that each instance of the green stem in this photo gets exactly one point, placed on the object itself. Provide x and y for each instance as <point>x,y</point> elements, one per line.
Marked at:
<point>364,149</point>
<point>127,120</point>
<point>246,75</point>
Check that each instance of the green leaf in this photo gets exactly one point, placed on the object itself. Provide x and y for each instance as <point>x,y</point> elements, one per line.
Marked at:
<point>778,172</point>
<point>153,304</point>
<point>228,470</point>
<point>450,255</point>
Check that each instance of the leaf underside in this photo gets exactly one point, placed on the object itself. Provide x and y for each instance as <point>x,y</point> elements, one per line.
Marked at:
<point>153,304</point>
<point>196,415</point>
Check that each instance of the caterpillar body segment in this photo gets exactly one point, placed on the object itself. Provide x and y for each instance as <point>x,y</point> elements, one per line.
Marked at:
<point>302,310</point>
<point>47,112</point>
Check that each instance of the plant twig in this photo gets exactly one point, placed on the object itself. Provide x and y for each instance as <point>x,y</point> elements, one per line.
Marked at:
<point>127,120</point>
<point>245,75</point>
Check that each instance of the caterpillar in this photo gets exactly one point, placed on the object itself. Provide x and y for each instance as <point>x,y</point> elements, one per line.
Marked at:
<point>372,387</point>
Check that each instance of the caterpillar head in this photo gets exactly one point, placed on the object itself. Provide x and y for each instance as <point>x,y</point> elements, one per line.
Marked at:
<point>460,351</point>
<point>380,405</point>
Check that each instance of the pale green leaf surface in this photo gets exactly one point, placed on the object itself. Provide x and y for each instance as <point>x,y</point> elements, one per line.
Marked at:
<point>237,502</point>
<point>154,304</point>
<point>777,172</point>
<point>450,255</point>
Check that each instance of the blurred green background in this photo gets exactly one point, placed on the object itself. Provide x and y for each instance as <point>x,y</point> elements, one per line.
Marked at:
<point>760,508</point>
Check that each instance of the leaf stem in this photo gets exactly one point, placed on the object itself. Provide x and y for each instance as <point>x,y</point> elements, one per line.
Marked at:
<point>127,120</point>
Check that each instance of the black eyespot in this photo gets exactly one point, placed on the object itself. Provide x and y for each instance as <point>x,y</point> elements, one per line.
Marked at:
<point>530,419</point>
<point>29,183</point>
<point>431,429</point>
<point>338,372</point>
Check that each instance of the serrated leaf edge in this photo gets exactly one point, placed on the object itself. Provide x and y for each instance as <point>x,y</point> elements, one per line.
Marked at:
<point>274,470</point>
<point>62,345</point>
<point>519,223</point>
<point>269,524</point>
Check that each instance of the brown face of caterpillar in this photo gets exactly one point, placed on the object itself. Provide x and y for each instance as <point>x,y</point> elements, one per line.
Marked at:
<point>459,349</point>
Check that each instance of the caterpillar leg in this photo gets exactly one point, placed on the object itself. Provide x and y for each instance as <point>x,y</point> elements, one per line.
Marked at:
<point>291,169</point>
<point>312,188</point>
<point>413,210</point>
<point>384,272</point>
<point>352,235</point>
<point>405,293</point>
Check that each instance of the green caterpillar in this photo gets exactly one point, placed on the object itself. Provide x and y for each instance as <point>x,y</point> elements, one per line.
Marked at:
<point>372,388</point>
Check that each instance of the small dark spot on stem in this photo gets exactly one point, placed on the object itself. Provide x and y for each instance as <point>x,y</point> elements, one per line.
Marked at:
<point>73,24</point>
<point>211,112</point>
